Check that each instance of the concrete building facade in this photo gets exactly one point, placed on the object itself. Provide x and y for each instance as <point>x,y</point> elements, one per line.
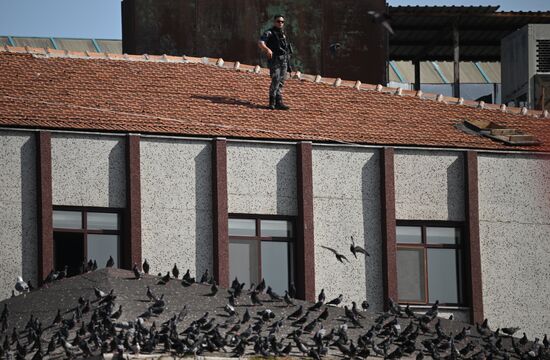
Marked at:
<point>176,208</point>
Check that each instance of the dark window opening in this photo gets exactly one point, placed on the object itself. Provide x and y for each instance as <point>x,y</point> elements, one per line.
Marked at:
<point>262,247</point>
<point>69,251</point>
<point>430,262</point>
<point>82,234</point>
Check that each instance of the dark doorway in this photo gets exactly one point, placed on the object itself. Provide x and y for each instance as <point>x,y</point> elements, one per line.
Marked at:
<point>69,250</point>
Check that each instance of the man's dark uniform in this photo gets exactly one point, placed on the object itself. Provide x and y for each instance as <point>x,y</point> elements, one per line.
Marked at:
<point>276,40</point>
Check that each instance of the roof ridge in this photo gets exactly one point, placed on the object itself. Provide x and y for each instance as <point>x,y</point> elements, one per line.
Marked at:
<point>237,66</point>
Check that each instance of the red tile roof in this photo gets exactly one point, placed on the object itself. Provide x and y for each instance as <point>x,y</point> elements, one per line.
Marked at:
<point>170,95</point>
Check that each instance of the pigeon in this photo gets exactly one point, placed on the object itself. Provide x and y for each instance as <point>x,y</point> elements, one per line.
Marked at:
<point>255,299</point>
<point>99,294</point>
<point>21,286</point>
<point>137,273</point>
<point>383,19</point>
<point>58,318</point>
<point>165,279</point>
<point>336,301</point>
<point>205,277</point>
<point>145,267</point>
<point>355,310</point>
<point>273,295</point>
<point>365,305</point>
<point>339,256</point>
<point>333,48</point>
<point>246,317</point>
<point>187,277</point>
<point>510,330</point>
<point>288,299</point>
<point>296,314</point>
<point>323,315</point>
<point>321,297</point>
<point>357,249</point>
<point>117,313</point>
<point>110,262</point>
<point>292,290</point>
<point>213,289</point>
<point>524,339</point>
<point>316,306</point>
<point>261,286</point>
<point>150,294</point>
<point>175,271</point>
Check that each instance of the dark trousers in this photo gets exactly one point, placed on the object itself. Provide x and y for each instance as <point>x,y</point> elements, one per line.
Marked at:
<point>277,71</point>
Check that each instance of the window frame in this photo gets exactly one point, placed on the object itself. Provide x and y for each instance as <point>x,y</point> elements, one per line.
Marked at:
<point>460,254</point>
<point>84,210</point>
<point>291,251</point>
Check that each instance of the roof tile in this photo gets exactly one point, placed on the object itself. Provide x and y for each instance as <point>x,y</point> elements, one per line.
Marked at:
<point>182,95</point>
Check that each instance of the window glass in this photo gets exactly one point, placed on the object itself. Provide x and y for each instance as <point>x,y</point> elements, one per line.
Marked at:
<point>276,228</point>
<point>442,235</point>
<point>100,247</point>
<point>410,275</point>
<point>242,227</point>
<point>442,276</point>
<point>409,234</point>
<point>102,221</point>
<point>275,263</point>
<point>67,219</point>
<point>243,261</point>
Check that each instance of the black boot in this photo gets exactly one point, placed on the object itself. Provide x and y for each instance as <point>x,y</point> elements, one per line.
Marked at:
<point>271,103</point>
<point>279,105</point>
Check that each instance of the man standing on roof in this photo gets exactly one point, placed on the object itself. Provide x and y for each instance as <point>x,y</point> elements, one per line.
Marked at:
<point>275,45</point>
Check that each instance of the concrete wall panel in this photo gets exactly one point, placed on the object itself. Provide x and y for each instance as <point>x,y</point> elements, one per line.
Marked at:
<point>429,185</point>
<point>88,170</point>
<point>176,214</point>
<point>346,202</point>
<point>261,179</point>
<point>514,212</point>
<point>18,236</point>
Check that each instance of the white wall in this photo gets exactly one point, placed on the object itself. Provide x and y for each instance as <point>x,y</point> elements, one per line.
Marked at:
<point>346,202</point>
<point>18,222</point>
<point>261,179</point>
<point>514,213</point>
<point>88,170</point>
<point>429,185</point>
<point>176,201</point>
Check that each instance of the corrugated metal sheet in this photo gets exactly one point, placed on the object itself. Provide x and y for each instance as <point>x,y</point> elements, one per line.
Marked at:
<point>393,76</point>
<point>428,74</point>
<point>492,70</point>
<point>110,46</point>
<point>33,42</point>
<point>4,41</point>
<point>406,69</point>
<point>469,73</point>
<point>75,44</point>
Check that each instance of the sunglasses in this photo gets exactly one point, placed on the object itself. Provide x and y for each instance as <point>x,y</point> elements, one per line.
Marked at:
<point>281,21</point>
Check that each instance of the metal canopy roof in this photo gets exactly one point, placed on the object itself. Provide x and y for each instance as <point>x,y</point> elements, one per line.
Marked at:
<point>425,32</point>
<point>71,44</point>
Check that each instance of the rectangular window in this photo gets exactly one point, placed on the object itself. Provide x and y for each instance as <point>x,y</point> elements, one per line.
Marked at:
<point>429,262</point>
<point>82,234</point>
<point>261,247</point>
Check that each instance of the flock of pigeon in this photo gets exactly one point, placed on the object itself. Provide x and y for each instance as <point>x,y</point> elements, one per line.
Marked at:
<point>254,321</point>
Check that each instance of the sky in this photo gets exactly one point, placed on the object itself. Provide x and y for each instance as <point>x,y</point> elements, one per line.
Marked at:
<point>101,18</point>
